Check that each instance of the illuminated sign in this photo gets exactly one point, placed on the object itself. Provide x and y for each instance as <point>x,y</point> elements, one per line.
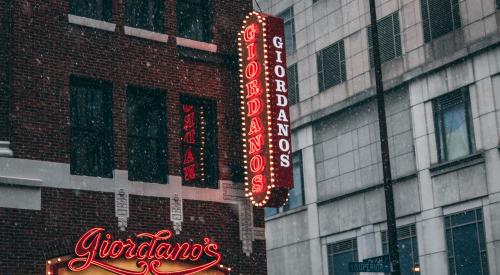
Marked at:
<point>97,249</point>
<point>265,115</point>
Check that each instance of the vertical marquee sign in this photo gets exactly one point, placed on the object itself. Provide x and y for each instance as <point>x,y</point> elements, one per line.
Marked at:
<point>265,116</point>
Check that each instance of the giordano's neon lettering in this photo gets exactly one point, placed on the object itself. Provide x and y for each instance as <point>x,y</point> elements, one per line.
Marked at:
<point>94,247</point>
<point>265,122</point>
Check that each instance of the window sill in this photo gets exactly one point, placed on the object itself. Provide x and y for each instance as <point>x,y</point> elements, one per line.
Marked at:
<point>453,165</point>
<point>91,23</point>
<point>199,45</point>
<point>286,213</point>
<point>5,150</point>
<point>145,34</point>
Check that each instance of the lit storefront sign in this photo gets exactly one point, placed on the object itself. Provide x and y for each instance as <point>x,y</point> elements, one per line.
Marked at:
<point>97,253</point>
<point>265,112</point>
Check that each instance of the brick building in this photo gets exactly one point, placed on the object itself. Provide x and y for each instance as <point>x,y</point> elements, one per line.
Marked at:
<point>108,111</point>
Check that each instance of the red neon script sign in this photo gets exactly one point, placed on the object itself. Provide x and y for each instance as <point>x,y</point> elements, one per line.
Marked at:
<point>94,247</point>
<point>265,115</point>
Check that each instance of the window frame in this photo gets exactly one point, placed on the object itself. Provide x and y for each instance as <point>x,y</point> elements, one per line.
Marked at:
<point>132,21</point>
<point>162,139</point>
<point>271,211</point>
<point>438,113</point>
<point>106,10</point>
<point>330,251</point>
<point>291,21</point>
<point>320,62</point>
<point>449,227</point>
<point>296,96</point>
<point>427,20</point>
<point>412,236</point>
<point>208,21</point>
<point>106,132</point>
<point>210,104</point>
<point>397,51</point>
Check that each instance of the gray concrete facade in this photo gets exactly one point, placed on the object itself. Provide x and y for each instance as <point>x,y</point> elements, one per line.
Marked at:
<point>337,132</point>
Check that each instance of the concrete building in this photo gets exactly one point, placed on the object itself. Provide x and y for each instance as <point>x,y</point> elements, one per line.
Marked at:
<point>441,64</point>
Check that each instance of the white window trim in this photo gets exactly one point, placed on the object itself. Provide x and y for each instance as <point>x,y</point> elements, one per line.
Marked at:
<point>91,23</point>
<point>145,34</point>
<point>199,45</point>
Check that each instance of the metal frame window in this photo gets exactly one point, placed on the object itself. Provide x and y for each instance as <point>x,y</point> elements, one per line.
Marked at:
<point>453,123</point>
<point>204,142</point>
<point>95,9</point>
<point>439,17</point>
<point>91,127</point>
<point>408,248</point>
<point>293,84</point>
<point>145,14</point>
<point>289,21</point>
<point>389,37</point>
<point>147,135</point>
<point>339,256</point>
<point>331,65</point>
<point>297,195</point>
<point>194,19</point>
<point>466,243</point>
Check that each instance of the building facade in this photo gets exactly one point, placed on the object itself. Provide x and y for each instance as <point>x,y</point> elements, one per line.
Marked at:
<point>440,67</point>
<point>120,115</point>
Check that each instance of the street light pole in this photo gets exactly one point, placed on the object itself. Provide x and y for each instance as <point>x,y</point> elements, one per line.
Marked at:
<point>386,163</point>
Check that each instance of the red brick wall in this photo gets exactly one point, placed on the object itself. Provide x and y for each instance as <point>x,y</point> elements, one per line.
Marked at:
<point>48,50</point>
<point>5,58</point>
<point>26,235</point>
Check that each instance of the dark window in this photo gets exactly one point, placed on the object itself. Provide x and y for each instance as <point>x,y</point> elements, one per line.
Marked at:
<point>95,9</point>
<point>293,84</point>
<point>296,197</point>
<point>199,142</point>
<point>408,249</point>
<point>454,132</point>
<point>287,17</point>
<point>147,143</point>
<point>389,38</point>
<point>340,255</point>
<point>331,66</point>
<point>498,4</point>
<point>91,122</point>
<point>145,14</point>
<point>268,211</point>
<point>466,243</point>
<point>439,17</point>
<point>194,19</point>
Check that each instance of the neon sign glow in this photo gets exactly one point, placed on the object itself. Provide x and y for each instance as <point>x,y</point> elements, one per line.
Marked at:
<point>264,110</point>
<point>95,247</point>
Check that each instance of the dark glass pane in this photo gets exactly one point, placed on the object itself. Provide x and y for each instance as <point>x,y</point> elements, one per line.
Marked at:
<point>340,263</point>
<point>332,65</point>
<point>145,14</point>
<point>91,151</point>
<point>95,9</point>
<point>467,255</point>
<point>287,17</point>
<point>463,218</point>
<point>293,84</point>
<point>443,17</point>
<point>194,19</point>
<point>296,197</point>
<point>146,135</point>
<point>389,38</point>
<point>270,211</point>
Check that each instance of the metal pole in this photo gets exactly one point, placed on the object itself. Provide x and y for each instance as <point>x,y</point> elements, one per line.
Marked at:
<point>386,163</point>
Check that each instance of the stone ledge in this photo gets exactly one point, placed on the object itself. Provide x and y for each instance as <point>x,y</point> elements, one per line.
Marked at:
<point>5,150</point>
<point>145,34</point>
<point>91,23</point>
<point>286,213</point>
<point>199,45</point>
<point>450,166</point>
